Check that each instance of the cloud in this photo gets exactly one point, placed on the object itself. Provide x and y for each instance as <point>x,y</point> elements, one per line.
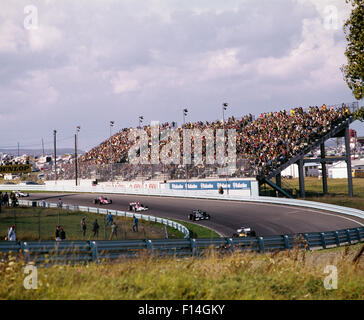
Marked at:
<point>116,59</point>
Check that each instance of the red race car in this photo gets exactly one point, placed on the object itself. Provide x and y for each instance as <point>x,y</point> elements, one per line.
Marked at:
<point>102,200</point>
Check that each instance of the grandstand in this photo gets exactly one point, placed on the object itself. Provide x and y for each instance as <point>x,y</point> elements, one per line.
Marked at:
<point>265,146</point>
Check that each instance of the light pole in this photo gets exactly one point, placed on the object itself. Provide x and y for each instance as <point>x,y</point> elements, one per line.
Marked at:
<point>43,146</point>
<point>55,153</point>
<point>141,118</point>
<point>76,156</point>
<point>224,107</point>
<point>185,112</point>
<point>111,125</point>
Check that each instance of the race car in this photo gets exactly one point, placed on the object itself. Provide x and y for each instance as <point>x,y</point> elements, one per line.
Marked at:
<point>198,214</point>
<point>102,200</point>
<point>137,206</point>
<point>20,194</point>
<point>244,232</point>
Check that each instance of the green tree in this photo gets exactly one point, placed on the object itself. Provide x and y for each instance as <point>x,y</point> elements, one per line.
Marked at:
<point>354,30</point>
<point>359,114</point>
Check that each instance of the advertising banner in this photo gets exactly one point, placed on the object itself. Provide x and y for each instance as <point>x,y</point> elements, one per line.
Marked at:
<point>17,168</point>
<point>211,185</point>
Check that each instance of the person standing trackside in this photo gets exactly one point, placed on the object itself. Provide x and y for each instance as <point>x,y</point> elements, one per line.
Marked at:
<point>83,226</point>
<point>110,219</point>
<point>114,231</point>
<point>14,200</point>
<point>58,233</point>
<point>95,228</point>
<point>60,203</point>
<point>135,223</point>
<point>11,234</point>
<point>62,234</point>
<point>6,199</point>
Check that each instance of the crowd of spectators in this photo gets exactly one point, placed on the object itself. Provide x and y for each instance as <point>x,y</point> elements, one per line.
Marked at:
<point>275,137</point>
<point>262,144</point>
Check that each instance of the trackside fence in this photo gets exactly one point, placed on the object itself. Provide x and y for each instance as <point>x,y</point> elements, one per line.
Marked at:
<point>52,252</point>
<point>117,213</point>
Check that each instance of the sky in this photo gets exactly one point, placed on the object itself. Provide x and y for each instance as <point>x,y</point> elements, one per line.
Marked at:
<point>85,63</point>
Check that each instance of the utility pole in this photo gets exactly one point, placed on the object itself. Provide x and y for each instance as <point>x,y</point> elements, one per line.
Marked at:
<point>185,112</point>
<point>55,153</point>
<point>18,150</point>
<point>43,146</point>
<point>76,169</point>
<point>224,107</point>
<point>141,118</point>
<point>111,125</point>
<point>76,156</point>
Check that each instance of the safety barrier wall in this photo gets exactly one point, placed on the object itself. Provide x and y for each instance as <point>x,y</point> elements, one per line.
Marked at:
<point>117,213</point>
<point>51,252</point>
<point>251,188</point>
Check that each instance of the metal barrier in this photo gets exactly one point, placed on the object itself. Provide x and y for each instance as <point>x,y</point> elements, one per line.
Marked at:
<point>45,252</point>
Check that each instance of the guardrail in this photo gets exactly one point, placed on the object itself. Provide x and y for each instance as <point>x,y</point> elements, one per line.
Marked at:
<point>117,213</point>
<point>45,252</point>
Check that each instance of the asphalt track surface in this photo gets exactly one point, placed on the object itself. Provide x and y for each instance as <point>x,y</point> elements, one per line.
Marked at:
<point>226,216</point>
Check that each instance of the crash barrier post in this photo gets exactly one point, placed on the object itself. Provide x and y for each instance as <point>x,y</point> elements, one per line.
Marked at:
<point>52,252</point>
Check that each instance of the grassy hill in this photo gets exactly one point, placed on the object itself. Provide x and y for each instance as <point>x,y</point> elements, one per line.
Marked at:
<point>281,275</point>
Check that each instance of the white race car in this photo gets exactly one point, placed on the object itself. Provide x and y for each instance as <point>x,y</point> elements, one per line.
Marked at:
<point>137,206</point>
<point>20,194</point>
<point>244,232</point>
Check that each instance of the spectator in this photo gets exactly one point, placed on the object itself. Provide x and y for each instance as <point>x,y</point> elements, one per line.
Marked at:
<point>135,223</point>
<point>95,228</point>
<point>60,203</point>
<point>114,230</point>
<point>11,234</point>
<point>14,199</point>
<point>62,234</point>
<point>262,145</point>
<point>83,226</point>
<point>6,199</point>
<point>110,219</point>
<point>58,233</point>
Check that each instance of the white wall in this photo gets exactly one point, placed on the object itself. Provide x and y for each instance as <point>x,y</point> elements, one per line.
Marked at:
<point>292,170</point>
<point>146,187</point>
<point>337,173</point>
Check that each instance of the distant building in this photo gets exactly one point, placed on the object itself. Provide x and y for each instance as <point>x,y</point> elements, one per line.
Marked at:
<point>361,141</point>
<point>310,170</point>
<point>338,170</point>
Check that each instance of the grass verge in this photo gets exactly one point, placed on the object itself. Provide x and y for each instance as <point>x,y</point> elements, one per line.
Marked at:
<point>289,275</point>
<point>40,223</point>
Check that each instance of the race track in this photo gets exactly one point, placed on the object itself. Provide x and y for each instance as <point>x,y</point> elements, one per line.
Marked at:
<point>226,216</point>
